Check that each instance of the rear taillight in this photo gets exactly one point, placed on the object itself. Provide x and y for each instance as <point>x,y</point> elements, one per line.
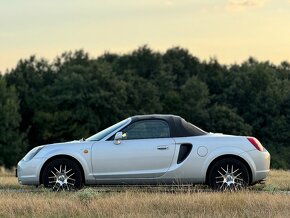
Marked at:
<point>256,143</point>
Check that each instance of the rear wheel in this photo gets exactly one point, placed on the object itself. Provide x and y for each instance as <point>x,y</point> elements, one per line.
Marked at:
<point>62,175</point>
<point>228,174</point>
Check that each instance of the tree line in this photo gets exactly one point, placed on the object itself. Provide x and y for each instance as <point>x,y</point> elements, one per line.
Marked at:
<point>75,96</point>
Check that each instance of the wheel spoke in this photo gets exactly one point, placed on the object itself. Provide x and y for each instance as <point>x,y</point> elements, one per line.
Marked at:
<point>221,173</point>
<point>235,170</point>
<point>238,174</point>
<point>224,170</point>
<point>53,173</point>
<point>70,175</point>
<point>54,186</point>
<point>56,170</point>
<point>236,187</point>
<point>239,179</point>
<point>68,171</point>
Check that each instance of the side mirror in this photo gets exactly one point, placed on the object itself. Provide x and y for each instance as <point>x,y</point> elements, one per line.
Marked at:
<point>118,138</point>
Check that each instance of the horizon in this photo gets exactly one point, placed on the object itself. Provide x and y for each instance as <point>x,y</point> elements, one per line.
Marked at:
<point>207,60</point>
<point>230,31</point>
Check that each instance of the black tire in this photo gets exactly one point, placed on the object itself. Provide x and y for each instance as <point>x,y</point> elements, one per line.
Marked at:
<point>228,174</point>
<point>62,175</point>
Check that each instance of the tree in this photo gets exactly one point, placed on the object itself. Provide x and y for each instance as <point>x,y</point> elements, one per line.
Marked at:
<point>82,100</point>
<point>11,141</point>
<point>76,96</point>
<point>194,100</point>
<point>181,64</point>
<point>225,120</point>
<point>141,96</point>
<point>29,77</point>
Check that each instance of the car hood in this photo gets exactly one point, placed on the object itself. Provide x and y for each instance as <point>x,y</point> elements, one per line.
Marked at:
<point>69,143</point>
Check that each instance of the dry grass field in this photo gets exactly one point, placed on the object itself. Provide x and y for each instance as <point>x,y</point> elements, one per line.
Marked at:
<point>269,200</point>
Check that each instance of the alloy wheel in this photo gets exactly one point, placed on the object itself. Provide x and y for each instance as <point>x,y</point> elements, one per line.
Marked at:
<point>230,178</point>
<point>62,179</point>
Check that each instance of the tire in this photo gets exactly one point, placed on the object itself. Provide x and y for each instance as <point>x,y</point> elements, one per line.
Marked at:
<point>62,175</point>
<point>228,174</point>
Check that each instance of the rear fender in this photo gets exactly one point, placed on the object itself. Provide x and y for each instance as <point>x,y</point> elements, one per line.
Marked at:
<point>224,151</point>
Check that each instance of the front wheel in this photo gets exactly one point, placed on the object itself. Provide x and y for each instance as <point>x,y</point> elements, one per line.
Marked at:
<point>229,174</point>
<point>62,175</point>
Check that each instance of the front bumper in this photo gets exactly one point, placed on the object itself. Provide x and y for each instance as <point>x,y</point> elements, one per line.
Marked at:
<point>28,171</point>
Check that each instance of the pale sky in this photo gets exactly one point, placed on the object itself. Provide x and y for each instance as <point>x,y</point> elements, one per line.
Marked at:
<point>230,30</point>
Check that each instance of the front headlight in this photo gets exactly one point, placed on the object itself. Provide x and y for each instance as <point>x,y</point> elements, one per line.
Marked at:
<point>32,153</point>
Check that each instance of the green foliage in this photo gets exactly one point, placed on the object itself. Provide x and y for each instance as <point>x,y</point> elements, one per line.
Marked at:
<point>271,188</point>
<point>11,145</point>
<point>86,195</point>
<point>194,99</point>
<point>76,96</point>
<point>225,120</point>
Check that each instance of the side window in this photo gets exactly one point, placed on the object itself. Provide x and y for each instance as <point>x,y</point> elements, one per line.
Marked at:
<point>147,129</point>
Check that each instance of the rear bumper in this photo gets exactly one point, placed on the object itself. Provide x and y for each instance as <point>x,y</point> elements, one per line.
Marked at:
<point>260,164</point>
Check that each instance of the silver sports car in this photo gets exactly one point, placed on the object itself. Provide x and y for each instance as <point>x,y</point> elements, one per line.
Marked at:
<point>148,149</point>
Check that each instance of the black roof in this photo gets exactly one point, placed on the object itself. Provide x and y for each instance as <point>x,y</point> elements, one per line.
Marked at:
<point>178,126</point>
<point>155,116</point>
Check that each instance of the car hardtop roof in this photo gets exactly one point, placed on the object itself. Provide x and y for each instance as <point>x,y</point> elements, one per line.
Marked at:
<point>178,126</point>
<point>167,117</point>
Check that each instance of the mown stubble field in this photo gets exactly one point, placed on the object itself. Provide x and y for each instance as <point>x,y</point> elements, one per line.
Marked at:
<point>269,200</point>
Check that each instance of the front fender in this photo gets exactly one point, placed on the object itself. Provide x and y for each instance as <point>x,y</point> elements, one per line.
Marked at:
<point>83,159</point>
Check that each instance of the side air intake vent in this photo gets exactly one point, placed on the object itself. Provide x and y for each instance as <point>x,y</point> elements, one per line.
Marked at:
<point>184,151</point>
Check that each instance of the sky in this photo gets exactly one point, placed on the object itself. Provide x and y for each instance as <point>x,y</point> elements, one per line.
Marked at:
<point>229,30</point>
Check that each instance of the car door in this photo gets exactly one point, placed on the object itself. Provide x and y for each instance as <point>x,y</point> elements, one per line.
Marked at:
<point>146,151</point>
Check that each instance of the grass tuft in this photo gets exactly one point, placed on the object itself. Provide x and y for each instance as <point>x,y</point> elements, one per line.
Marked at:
<point>86,195</point>
<point>272,188</point>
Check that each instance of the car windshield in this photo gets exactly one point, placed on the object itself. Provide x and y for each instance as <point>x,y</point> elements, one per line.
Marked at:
<point>98,136</point>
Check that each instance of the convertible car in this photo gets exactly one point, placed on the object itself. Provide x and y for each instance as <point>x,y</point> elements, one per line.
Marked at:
<point>148,149</point>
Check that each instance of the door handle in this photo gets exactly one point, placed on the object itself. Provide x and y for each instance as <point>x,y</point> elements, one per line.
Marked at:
<point>163,147</point>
